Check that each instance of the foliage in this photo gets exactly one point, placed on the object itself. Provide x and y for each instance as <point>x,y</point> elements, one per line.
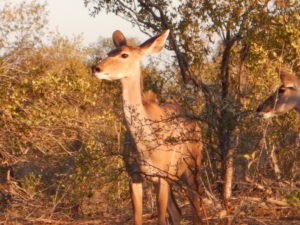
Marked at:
<point>56,137</point>
<point>293,198</point>
<point>21,26</point>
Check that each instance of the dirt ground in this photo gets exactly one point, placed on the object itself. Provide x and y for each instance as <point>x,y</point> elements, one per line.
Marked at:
<point>241,211</point>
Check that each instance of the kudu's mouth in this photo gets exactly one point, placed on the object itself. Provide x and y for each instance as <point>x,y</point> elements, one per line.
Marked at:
<point>103,76</point>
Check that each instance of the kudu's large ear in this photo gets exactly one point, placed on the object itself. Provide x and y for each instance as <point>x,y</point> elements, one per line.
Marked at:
<point>288,79</point>
<point>119,39</point>
<point>155,44</point>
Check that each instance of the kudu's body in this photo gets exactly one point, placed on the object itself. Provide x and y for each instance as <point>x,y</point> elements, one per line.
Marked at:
<point>167,145</point>
<point>285,98</point>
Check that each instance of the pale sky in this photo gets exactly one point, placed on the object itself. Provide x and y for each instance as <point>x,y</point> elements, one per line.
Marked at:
<point>71,17</point>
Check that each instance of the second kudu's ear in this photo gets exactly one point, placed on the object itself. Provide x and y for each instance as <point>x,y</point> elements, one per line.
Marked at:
<point>288,79</point>
<point>155,44</point>
<point>119,39</point>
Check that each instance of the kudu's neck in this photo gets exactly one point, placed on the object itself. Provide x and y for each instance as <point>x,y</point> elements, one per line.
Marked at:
<point>132,97</point>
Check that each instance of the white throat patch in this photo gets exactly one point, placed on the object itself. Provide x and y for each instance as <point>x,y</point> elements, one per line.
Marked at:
<point>106,76</point>
<point>268,115</point>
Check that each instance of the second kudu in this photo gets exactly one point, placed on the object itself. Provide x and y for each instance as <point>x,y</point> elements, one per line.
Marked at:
<point>168,145</point>
<point>285,98</point>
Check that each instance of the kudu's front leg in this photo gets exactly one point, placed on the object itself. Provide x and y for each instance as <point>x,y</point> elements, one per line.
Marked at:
<point>136,190</point>
<point>173,209</point>
<point>162,200</point>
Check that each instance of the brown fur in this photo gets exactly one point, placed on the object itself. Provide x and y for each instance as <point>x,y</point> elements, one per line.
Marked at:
<point>149,97</point>
<point>152,108</point>
<point>156,111</point>
<point>172,109</point>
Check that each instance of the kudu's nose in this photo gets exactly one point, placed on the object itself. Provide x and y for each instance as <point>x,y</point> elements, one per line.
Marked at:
<point>96,69</point>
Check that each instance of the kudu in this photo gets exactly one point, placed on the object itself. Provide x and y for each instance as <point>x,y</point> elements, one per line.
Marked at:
<point>166,146</point>
<point>284,99</point>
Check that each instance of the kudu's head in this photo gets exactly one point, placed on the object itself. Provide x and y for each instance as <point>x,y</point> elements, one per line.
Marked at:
<point>285,98</point>
<point>124,61</point>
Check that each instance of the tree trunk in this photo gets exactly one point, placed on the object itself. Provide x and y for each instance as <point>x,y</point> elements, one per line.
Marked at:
<point>226,121</point>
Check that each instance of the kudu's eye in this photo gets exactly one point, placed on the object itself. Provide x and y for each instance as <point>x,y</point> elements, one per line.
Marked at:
<point>124,55</point>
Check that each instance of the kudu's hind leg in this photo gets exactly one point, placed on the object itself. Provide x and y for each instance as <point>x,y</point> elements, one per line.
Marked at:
<point>193,194</point>
<point>136,191</point>
<point>173,209</point>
